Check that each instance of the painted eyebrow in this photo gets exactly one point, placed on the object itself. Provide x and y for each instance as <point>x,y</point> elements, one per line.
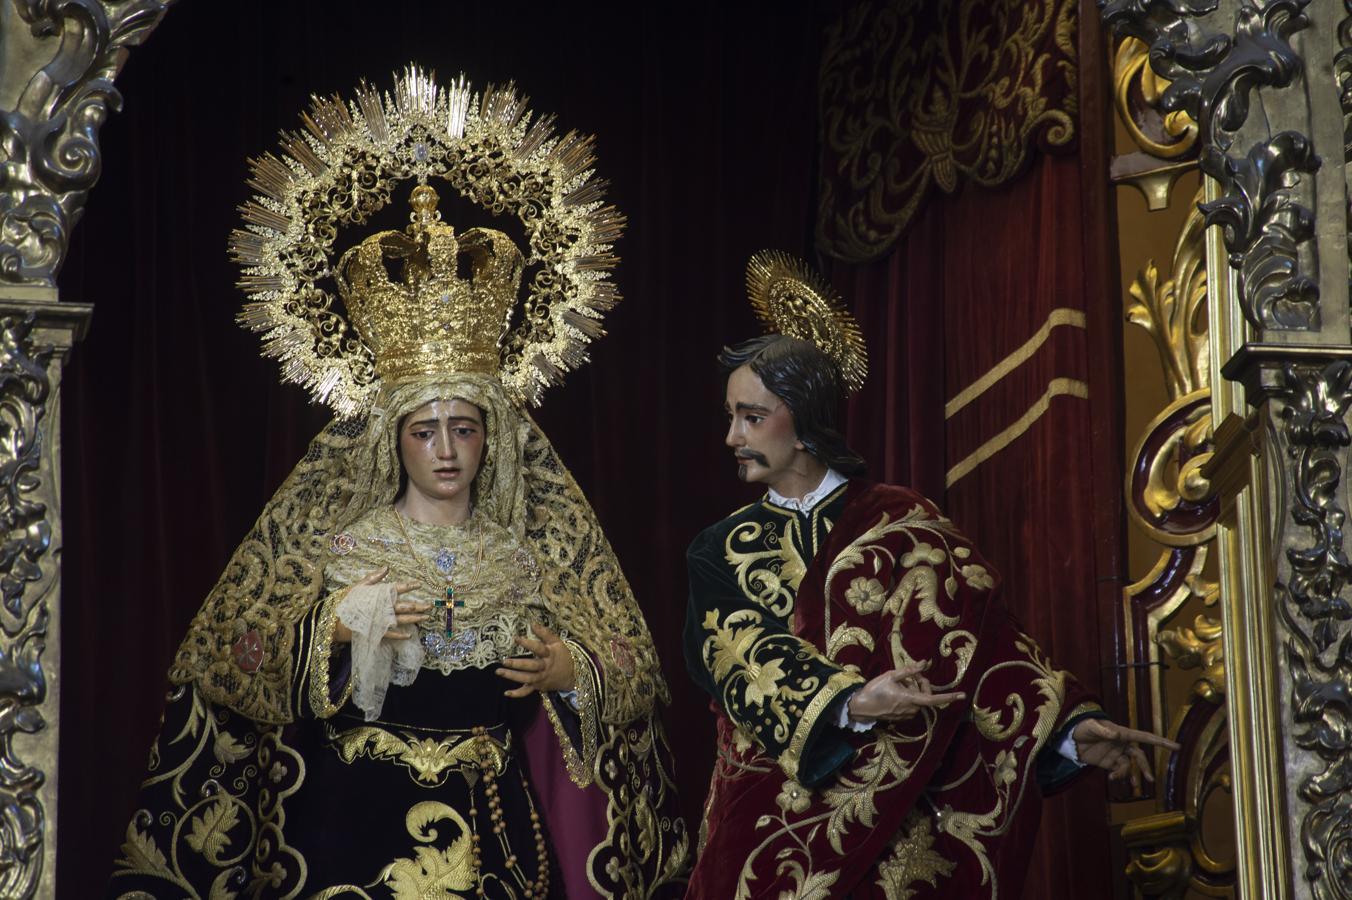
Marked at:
<point>468,419</point>
<point>752,407</point>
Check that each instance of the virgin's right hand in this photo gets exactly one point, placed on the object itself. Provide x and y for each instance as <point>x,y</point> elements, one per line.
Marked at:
<point>898,694</point>
<point>406,612</point>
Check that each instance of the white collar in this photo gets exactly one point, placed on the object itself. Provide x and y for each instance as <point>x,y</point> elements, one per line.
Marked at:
<point>830,481</point>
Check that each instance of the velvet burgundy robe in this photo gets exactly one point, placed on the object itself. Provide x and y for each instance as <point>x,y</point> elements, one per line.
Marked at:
<point>788,613</point>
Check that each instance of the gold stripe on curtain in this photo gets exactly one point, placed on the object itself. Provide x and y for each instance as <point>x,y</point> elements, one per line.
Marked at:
<point>1059,387</point>
<point>1059,317</point>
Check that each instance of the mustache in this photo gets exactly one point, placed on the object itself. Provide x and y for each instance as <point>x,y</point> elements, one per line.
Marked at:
<point>753,456</point>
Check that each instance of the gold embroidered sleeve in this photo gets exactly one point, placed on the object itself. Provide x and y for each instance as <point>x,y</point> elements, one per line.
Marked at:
<point>578,730</point>
<point>776,687</point>
<point>320,659</point>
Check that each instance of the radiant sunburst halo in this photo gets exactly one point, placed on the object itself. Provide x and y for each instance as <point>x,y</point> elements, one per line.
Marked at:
<point>345,164</point>
<point>796,302</point>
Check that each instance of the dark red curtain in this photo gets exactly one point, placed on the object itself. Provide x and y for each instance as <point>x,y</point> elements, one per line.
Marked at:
<point>1019,435</point>
<point>176,432</point>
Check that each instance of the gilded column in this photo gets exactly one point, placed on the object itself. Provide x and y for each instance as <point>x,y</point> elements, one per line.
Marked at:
<point>1266,84</point>
<point>58,60</point>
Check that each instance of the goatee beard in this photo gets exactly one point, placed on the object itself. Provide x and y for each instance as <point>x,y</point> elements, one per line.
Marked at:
<point>741,471</point>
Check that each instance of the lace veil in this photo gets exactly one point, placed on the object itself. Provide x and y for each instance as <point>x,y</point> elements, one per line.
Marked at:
<point>276,574</point>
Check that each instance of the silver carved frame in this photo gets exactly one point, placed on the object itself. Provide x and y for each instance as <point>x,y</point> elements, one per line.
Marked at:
<point>58,60</point>
<point>1270,84</point>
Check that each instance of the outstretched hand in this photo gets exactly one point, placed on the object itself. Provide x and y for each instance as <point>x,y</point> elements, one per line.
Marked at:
<point>898,694</point>
<point>1117,749</point>
<point>548,668</point>
<point>406,612</point>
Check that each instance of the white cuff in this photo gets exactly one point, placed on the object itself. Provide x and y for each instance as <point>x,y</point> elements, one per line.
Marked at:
<point>1067,748</point>
<point>571,697</point>
<point>843,718</point>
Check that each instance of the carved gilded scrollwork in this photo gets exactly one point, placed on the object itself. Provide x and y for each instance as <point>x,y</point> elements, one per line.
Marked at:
<point>1212,77</point>
<point>1171,501</point>
<point>923,94</point>
<point>1138,93</point>
<point>1168,497</point>
<point>1173,310</point>
<point>1160,863</point>
<point>24,389</point>
<point>1167,140</point>
<point>1342,74</point>
<point>1200,646</point>
<point>49,140</point>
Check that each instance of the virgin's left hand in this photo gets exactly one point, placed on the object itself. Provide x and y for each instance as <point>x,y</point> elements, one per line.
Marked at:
<point>549,668</point>
<point>1102,743</point>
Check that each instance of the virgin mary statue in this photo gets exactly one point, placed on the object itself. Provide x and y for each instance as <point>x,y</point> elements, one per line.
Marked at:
<point>422,673</point>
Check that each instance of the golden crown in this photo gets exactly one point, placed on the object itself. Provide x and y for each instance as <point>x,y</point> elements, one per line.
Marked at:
<point>431,320</point>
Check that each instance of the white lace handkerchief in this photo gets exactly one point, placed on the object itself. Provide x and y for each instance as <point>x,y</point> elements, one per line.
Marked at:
<point>368,610</point>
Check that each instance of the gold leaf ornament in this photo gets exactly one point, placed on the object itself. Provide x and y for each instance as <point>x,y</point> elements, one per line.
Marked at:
<point>433,872</point>
<point>209,833</point>
<point>140,853</point>
<point>346,163</point>
<point>792,300</point>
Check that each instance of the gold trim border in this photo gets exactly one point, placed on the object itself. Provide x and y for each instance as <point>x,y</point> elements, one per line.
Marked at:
<point>1263,843</point>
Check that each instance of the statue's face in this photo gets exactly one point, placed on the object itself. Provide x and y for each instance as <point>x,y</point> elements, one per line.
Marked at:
<point>760,429</point>
<point>441,444</point>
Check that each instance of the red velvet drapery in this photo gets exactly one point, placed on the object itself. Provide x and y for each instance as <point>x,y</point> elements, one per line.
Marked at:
<point>994,335</point>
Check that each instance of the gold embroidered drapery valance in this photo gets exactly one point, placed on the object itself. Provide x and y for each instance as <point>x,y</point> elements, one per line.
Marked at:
<point>918,94</point>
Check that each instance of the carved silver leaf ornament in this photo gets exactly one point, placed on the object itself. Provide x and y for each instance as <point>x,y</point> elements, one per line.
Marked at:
<point>59,58</point>
<point>1315,402</point>
<point>49,140</point>
<point>24,614</point>
<point>1214,76</point>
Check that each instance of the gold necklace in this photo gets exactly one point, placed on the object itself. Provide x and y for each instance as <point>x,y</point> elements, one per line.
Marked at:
<point>448,603</point>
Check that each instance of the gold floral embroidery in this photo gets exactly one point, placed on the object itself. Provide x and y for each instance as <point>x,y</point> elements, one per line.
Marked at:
<point>848,636</point>
<point>768,563</point>
<point>635,819</point>
<point>932,544</point>
<point>1009,772</point>
<point>793,756</point>
<point>432,872</point>
<point>748,664</point>
<point>866,595</point>
<point>733,654</point>
<point>913,859</point>
<point>427,760</point>
<point>917,95</point>
<point>793,797</point>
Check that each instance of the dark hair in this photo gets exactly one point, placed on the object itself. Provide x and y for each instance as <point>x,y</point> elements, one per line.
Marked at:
<point>806,379</point>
